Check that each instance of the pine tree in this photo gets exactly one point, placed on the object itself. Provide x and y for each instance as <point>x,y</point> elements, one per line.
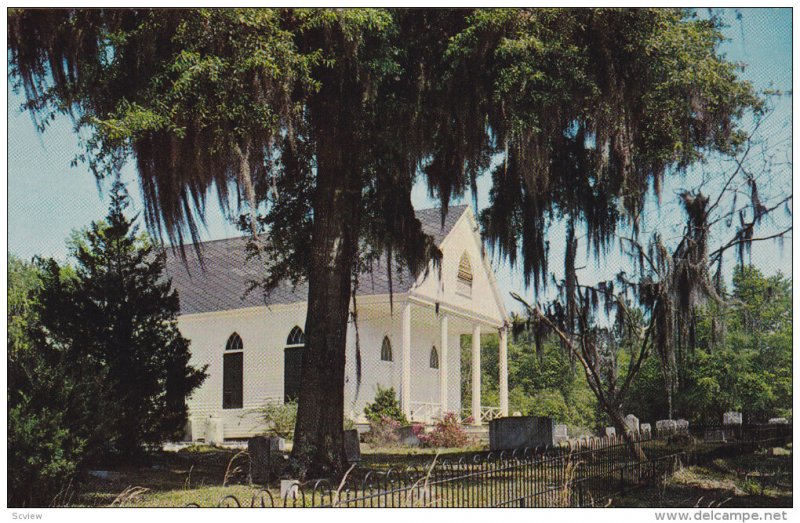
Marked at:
<point>120,312</point>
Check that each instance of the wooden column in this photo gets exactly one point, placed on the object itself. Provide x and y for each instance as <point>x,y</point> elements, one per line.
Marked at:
<point>476,374</point>
<point>443,360</point>
<point>405,389</point>
<point>503,364</point>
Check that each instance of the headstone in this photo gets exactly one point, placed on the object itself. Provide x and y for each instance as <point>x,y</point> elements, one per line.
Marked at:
<point>214,431</point>
<point>560,433</point>
<point>632,423</point>
<point>276,443</point>
<point>682,426</point>
<point>407,436</point>
<point>352,446</point>
<point>258,449</point>
<point>290,488</point>
<point>517,413</point>
<point>778,421</point>
<point>714,436</point>
<point>732,418</point>
<point>611,432</point>
<point>521,432</point>
<point>107,475</point>
<point>187,431</point>
<point>666,427</point>
<point>645,428</point>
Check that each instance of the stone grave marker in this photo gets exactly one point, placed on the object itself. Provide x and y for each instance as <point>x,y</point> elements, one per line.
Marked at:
<point>352,446</point>
<point>610,432</point>
<point>214,431</point>
<point>632,423</point>
<point>778,421</point>
<point>560,433</point>
<point>645,428</point>
<point>732,418</point>
<point>258,450</point>
<point>290,488</point>
<point>666,427</point>
<point>682,426</point>
<point>521,432</point>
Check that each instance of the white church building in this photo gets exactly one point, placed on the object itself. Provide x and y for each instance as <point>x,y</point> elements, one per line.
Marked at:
<point>253,343</point>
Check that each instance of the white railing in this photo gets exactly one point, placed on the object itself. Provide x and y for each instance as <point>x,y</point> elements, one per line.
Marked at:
<point>425,412</point>
<point>488,413</point>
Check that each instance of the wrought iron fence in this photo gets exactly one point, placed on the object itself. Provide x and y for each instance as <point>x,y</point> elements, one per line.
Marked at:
<point>579,473</point>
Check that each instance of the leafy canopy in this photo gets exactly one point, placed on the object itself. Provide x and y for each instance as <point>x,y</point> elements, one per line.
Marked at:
<point>586,108</point>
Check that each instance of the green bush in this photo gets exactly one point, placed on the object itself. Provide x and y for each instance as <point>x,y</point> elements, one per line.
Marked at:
<point>280,419</point>
<point>385,406</point>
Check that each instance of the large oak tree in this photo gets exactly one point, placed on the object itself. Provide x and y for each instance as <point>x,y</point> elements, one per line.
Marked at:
<point>320,121</point>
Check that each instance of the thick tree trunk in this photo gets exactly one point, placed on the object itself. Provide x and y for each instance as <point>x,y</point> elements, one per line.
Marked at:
<point>318,445</point>
<point>618,420</point>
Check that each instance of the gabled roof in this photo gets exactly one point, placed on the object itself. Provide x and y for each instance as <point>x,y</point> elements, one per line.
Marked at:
<point>221,282</point>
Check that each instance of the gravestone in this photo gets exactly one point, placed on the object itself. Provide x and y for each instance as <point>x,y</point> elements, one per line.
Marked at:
<point>352,446</point>
<point>407,437</point>
<point>258,450</point>
<point>714,436</point>
<point>666,427</point>
<point>290,488</point>
<point>560,433</point>
<point>645,428</point>
<point>276,443</point>
<point>521,432</point>
<point>214,431</point>
<point>517,413</point>
<point>611,432</point>
<point>632,423</point>
<point>732,418</point>
<point>682,426</point>
<point>778,421</point>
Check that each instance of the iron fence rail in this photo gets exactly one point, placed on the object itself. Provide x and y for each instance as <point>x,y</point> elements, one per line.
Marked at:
<point>580,473</point>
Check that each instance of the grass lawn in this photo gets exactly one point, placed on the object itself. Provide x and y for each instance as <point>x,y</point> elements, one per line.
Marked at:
<point>763,479</point>
<point>204,475</point>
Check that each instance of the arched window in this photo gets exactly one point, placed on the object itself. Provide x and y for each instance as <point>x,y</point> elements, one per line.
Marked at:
<point>293,363</point>
<point>434,358</point>
<point>386,349</point>
<point>464,282</point>
<point>296,337</point>
<point>233,373</point>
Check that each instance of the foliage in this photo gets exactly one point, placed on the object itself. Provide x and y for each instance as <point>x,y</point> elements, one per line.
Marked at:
<point>385,405</point>
<point>446,433</point>
<point>280,418</point>
<point>586,107</point>
<point>540,384</point>
<point>57,407</point>
<point>119,313</point>
<point>748,369</point>
<point>383,432</point>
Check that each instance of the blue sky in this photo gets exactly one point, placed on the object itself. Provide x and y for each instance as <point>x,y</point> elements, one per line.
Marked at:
<point>47,198</point>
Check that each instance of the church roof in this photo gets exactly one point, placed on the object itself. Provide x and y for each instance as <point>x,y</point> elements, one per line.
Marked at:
<point>222,281</point>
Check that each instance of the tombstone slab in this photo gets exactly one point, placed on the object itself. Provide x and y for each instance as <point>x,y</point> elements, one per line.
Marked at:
<point>214,431</point>
<point>682,425</point>
<point>407,437</point>
<point>631,423</point>
<point>276,443</point>
<point>714,436</point>
<point>290,488</point>
<point>611,432</point>
<point>666,427</point>
<point>521,432</point>
<point>258,450</point>
<point>645,428</point>
<point>778,421</point>
<point>560,433</point>
<point>732,418</point>
<point>352,446</point>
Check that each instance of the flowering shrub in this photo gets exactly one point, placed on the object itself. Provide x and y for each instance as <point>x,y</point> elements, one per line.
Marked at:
<point>447,432</point>
<point>383,432</point>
